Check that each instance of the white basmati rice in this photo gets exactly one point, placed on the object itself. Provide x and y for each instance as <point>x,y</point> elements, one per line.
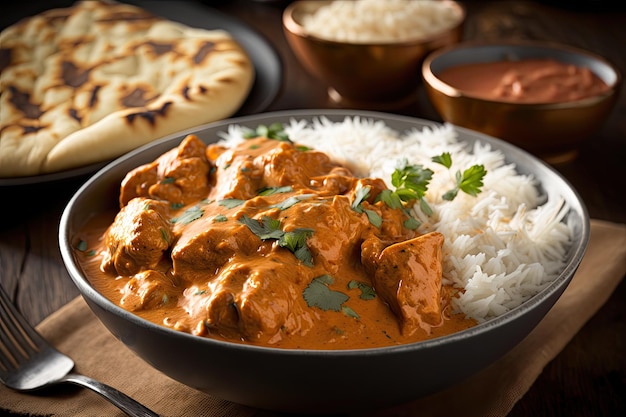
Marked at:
<point>361,21</point>
<point>501,247</point>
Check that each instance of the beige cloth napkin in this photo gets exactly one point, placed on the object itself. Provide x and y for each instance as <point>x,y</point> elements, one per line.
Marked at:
<point>77,332</point>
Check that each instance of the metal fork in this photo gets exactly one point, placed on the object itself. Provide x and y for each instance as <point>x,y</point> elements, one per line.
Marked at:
<point>28,362</point>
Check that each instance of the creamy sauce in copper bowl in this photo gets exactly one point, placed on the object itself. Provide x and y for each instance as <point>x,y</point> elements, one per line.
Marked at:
<point>525,81</point>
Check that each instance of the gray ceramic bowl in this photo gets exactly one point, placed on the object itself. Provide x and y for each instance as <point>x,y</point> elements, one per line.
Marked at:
<point>308,380</point>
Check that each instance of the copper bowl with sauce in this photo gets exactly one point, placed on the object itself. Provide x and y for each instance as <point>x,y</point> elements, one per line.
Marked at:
<point>374,75</point>
<point>315,380</point>
<point>546,119</point>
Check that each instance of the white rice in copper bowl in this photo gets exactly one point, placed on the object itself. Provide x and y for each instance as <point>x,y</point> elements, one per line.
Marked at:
<point>377,21</point>
<point>501,247</point>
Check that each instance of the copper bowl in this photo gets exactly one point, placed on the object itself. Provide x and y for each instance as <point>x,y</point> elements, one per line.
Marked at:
<point>552,131</point>
<point>365,75</point>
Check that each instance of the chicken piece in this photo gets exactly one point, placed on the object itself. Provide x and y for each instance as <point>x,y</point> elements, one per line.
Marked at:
<point>407,275</point>
<point>287,165</point>
<point>338,229</point>
<point>262,162</point>
<point>147,290</point>
<point>258,302</point>
<point>138,237</point>
<point>179,176</point>
<point>203,247</point>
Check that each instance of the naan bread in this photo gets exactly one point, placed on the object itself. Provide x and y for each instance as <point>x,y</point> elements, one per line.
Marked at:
<point>87,83</point>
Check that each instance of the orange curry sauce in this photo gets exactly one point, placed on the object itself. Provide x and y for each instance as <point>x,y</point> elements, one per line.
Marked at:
<point>270,244</point>
<point>525,81</point>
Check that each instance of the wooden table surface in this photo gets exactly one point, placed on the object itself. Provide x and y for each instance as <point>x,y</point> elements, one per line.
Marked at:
<point>588,378</point>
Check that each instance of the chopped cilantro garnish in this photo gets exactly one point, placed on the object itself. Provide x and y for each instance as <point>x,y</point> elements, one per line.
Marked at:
<point>288,202</point>
<point>273,131</point>
<point>220,218</point>
<point>374,218</point>
<point>318,294</point>
<point>269,228</point>
<point>411,181</point>
<point>350,312</point>
<point>285,204</point>
<point>189,215</point>
<point>275,190</point>
<point>411,223</point>
<point>231,202</point>
<point>367,292</point>
<point>425,207</point>
<point>81,246</point>
<point>444,159</point>
<point>469,181</point>
<point>390,198</point>
<point>164,235</point>
<point>294,240</point>
<point>361,193</point>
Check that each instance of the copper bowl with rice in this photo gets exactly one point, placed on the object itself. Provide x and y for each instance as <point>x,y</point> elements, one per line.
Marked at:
<point>369,60</point>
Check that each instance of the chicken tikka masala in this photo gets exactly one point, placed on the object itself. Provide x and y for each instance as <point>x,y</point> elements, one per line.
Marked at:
<point>272,244</point>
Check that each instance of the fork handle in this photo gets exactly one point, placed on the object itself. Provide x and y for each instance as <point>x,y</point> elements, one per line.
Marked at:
<point>119,399</point>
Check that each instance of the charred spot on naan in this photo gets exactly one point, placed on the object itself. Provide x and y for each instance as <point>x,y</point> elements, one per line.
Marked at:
<point>149,115</point>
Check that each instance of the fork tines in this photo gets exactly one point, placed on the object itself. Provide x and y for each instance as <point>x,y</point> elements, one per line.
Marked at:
<point>18,340</point>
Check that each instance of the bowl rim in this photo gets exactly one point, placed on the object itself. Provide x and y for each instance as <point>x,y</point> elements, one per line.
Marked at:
<point>90,294</point>
<point>436,83</point>
<point>292,26</point>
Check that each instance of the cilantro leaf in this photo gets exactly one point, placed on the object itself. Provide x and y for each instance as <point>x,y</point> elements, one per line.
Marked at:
<point>81,246</point>
<point>189,215</point>
<point>426,209</point>
<point>470,182</point>
<point>231,202</point>
<point>295,241</point>
<point>367,291</point>
<point>318,294</point>
<point>350,312</point>
<point>411,181</point>
<point>450,194</point>
<point>269,228</point>
<point>290,201</point>
<point>411,223</point>
<point>361,194</point>
<point>374,218</point>
<point>390,198</point>
<point>273,131</point>
<point>274,190</point>
<point>444,159</point>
